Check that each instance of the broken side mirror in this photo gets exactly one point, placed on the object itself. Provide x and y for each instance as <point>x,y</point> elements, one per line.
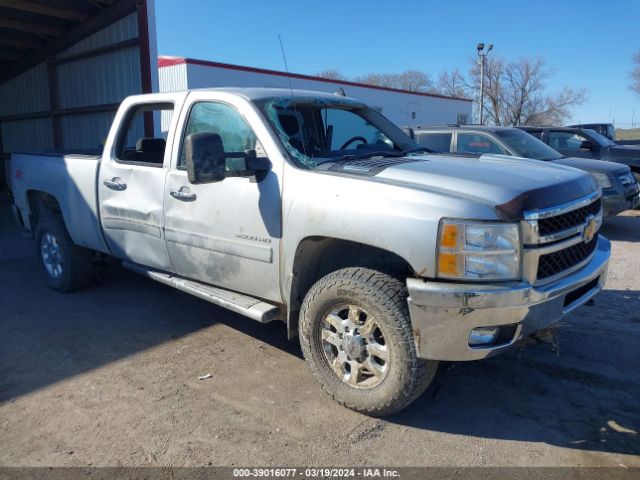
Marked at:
<point>205,158</point>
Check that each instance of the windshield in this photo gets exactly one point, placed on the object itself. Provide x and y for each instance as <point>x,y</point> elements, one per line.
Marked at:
<point>600,139</point>
<point>526,145</point>
<point>320,130</point>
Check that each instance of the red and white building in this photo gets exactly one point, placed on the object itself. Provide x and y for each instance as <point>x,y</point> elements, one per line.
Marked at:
<point>400,106</point>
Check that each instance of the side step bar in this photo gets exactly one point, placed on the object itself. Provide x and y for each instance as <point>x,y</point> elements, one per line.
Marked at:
<point>251,307</point>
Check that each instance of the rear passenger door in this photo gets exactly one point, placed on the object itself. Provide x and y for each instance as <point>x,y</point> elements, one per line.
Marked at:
<point>131,183</point>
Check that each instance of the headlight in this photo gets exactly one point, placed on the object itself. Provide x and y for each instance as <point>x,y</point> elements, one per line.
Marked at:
<point>478,250</point>
<point>603,180</point>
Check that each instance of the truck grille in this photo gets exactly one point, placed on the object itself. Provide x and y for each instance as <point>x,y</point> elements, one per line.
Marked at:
<point>551,225</point>
<point>554,263</point>
<point>559,239</point>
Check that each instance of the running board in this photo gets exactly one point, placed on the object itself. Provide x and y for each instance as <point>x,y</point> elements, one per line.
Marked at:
<point>251,307</point>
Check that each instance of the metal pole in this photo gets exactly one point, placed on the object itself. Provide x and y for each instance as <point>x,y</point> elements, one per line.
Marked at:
<point>481,89</point>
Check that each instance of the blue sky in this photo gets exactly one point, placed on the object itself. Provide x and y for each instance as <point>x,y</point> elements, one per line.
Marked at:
<point>587,43</point>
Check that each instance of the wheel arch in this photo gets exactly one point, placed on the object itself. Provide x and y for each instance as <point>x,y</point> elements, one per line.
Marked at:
<point>40,203</point>
<point>317,256</point>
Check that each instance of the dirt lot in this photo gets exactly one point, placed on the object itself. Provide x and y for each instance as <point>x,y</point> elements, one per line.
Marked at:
<point>109,376</point>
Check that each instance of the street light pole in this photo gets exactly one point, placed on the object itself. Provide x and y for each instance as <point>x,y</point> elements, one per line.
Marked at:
<point>481,59</point>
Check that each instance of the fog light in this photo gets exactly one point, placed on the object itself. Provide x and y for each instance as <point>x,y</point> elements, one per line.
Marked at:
<point>483,336</point>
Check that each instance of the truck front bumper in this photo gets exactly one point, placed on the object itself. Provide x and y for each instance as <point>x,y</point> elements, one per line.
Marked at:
<point>443,314</point>
<point>615,202</point>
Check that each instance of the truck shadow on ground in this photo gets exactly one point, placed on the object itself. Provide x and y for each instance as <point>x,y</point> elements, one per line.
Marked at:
<point>46,337</point>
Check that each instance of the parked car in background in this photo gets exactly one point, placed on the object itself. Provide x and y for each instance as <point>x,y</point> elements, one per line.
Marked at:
<point>620,190</point>
<point>316,210</point>
<point>604,129</point>
<point>585,143</point>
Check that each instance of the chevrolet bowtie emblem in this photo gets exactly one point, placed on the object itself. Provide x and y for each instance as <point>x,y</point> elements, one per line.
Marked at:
<point>590,229</point>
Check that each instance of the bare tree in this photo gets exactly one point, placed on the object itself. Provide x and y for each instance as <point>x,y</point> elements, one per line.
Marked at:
<point>453,84</point>
<point>635,74</point>
<point>411,80</point>
<point>515,93</point>
<point>332,74</point>
<point>414,81</point>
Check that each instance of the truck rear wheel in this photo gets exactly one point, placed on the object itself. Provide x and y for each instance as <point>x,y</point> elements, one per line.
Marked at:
<point>66,266</point>
<point>356,338</point>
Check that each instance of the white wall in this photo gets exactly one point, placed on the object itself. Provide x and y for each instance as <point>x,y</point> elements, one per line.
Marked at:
<point>397,106</point>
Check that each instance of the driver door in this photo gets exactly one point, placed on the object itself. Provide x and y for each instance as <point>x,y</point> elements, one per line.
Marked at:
<point>225,233</point>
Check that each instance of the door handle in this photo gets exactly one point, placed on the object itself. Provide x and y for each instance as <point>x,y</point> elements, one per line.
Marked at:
<point>115,183</point>
<point>183,193</point>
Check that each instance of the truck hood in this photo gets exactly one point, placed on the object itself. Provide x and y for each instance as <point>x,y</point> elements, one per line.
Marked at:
<point>510,185</point>
<point>592,166</point>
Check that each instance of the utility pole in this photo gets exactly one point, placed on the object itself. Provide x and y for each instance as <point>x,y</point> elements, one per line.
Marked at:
<point>481,59</point>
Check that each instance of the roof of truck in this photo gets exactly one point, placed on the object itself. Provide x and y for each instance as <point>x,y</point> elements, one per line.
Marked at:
<point>256,93</point>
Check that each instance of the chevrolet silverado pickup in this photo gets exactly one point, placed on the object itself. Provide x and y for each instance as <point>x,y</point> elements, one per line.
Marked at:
<point>315,210</point>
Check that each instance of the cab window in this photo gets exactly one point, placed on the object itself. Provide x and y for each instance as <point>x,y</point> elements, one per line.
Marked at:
<point>477,143</point>
<point>566,140</point>
<point>141,139</point>
<point>224,120</point>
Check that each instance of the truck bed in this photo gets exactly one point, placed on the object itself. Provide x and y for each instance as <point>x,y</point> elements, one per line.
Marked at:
<point>71,178</point>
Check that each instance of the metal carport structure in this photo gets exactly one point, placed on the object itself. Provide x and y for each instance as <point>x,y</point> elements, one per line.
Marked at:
<point>64,67</point>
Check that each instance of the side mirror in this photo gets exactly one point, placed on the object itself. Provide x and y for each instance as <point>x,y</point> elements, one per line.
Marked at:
<point>205,158</point>
<point>587,145</point>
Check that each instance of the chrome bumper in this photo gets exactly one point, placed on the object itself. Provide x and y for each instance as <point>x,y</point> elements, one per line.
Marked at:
<point>444,314</point>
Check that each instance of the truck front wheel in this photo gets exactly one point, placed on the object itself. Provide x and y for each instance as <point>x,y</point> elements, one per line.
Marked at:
<point>356,337</point>
<point>66,266</point>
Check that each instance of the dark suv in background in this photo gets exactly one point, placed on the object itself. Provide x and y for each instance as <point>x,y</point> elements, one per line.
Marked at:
<point>619,188</point>
<point>604,129</point>
<point>585,143</point>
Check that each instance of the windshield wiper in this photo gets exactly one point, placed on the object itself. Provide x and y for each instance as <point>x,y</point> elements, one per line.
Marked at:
<point>416,150</point>
<point>362,156</point>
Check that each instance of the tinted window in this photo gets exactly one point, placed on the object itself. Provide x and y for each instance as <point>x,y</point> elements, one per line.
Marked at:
<point>225,121</point>
<point>565,140</point>
<point>436,142</point>
<point>141,139</point>
<point>477,143</point>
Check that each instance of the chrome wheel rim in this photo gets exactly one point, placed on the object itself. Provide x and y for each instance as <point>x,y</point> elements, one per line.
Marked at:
<point>354,346</point>
<point>51,257</point>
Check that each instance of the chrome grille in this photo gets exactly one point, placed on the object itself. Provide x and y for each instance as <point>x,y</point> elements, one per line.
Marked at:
<point>559,223</point>
<point>552,264</point>
<point>559,240</point>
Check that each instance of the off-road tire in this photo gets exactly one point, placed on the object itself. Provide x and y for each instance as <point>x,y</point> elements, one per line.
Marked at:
<point>385,298</point>
<point>76,262</point>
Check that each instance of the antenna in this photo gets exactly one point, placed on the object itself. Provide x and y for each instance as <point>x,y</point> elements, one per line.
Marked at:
<point>293,103</point>
<point>286,68</point>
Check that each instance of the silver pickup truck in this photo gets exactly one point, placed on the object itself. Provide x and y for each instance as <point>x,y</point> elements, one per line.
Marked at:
<point>315,210</point>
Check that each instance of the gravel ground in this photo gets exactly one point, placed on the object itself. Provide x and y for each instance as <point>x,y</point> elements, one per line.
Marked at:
<point>108,376</point>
